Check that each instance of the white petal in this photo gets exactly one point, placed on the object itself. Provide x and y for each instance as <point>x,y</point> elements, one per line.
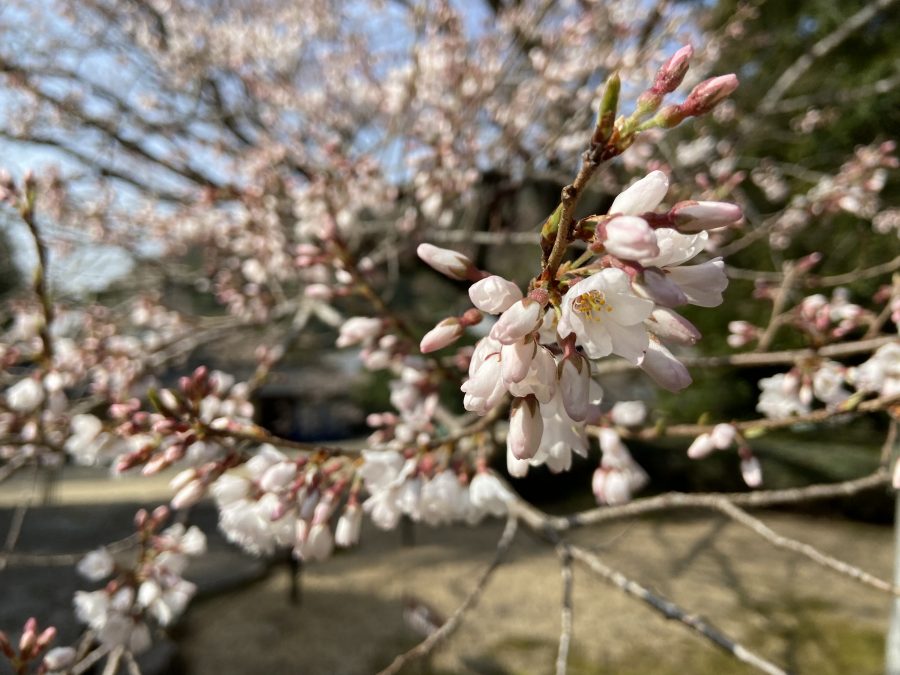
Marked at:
<point>642,196</point>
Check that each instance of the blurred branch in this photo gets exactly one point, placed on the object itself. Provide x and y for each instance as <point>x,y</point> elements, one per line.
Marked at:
<point>672,611</point>
<point>813,281</point>
<point>738,515</point>
<point>796,70</point>
<point>764,423</point>
<point>566,620</point>
<point>755,359</point>
<point>438,636</point>
<point>540,521</point>
<point>791,272</point>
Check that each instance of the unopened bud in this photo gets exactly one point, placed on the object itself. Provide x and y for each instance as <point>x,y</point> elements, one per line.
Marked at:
<point>670,116</point>
<point>449,263</point>
<point>46,637</point>
<point>445,333</point>
<point>471,317</point>
<point>709,93</point>
<point>59,658</point>
<point>672,72</point>
<point>29,637</point>
<point>606,115</point>
<point>693,216</point>
<point>526,426</point>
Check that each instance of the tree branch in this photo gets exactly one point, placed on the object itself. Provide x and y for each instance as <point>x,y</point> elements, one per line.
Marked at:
<point>432,641</point>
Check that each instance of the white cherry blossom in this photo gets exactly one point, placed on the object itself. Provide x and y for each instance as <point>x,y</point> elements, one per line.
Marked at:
<point>606,316</point>
<point>494,294</point>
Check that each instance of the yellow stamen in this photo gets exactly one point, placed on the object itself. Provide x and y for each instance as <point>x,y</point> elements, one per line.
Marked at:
<point>591,304</point>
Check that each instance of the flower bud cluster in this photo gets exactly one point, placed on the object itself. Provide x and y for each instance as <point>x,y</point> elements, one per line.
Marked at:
<point>32,644</point>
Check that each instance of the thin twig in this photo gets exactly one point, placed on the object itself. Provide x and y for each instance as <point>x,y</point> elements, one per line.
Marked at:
<point>41,287</point>
<point>763,424</point>
<point>64,559</point>
<point>112,663</point>
<point>131,664</point>
<point>813,281</point>
<point>763,359</point>
<point>673,612</point>
<point>738,515</point>
<point>796,70</point>
<point>791,272</point>
<point>18,520</point>
<point>887,448</point>
<point>88,661</point>
<point>567,615</point>
<point>432,641</point>
<point>538,520</point>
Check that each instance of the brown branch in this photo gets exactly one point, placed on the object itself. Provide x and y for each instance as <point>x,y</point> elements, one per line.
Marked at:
<point>764,424</point>
<point>540,521</point>
<point>672,611</point>
<point>41,288</point>
<point>738,515</point>
<point>791,272</point>
<point>762,359</point>
<point>813,281</point>
<point>566,620</point>
<point>64,559</point>
<point>438,636</point>
<point>796,70</point>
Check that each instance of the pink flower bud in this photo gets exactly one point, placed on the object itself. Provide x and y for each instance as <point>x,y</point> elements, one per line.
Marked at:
<point>663,290</point>
<point>358,329</point>
<point>449,263</point>
<point>664,368</point>
<point>667,324</point>
<point>673,71</point>
<point>706,95</point>
<point>670,116</point>
<point>45,638</point>
<point>29,637</point>
<point>751,471</point>
<point>445,333</point>
<point>521,319</point>
<point>630,238</point>
<point>526,426</point>
<point>575,385</point>
<point>723,435</point>
<point>494,294</point>
<point>515,360</point>
<point>189,495</point>
<point>59,658</point>
<point>701,447</point>
<point>692,216</point>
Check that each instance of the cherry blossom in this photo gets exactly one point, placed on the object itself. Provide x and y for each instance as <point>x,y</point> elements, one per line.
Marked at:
<point>606,316</point>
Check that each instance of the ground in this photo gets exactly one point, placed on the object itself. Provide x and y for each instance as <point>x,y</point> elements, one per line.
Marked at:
<point>350,621</point>
<point>803,617</point>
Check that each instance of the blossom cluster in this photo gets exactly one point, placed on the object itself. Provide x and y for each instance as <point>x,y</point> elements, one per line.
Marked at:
<point>150,586</point>
<point>621,300</point>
